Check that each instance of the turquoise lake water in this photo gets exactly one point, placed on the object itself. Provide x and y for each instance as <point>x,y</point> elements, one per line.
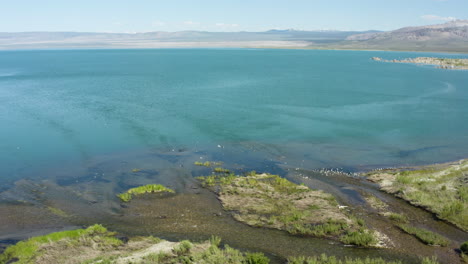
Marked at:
<point>318,109</point>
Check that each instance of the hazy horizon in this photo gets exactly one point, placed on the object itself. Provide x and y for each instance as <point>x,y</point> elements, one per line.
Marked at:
<point>208,15</point>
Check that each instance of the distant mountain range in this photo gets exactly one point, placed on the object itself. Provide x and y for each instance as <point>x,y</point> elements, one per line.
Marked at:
<point>451,36</point>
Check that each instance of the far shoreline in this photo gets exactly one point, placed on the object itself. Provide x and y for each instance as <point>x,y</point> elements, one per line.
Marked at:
<point>231,48</point>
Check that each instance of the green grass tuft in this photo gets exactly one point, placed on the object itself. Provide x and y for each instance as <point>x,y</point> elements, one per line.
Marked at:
<point>464,248</point>
<point>183,248</point>
<point>425,236</point>
<point>399,218</point>
<point>221,170</point>
<point>207,163</point>
<point>256,258</point>
<point>150,188</point>
<point>362,238</point>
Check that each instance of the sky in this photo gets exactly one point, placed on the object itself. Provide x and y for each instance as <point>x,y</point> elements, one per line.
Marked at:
<point>130,16</point>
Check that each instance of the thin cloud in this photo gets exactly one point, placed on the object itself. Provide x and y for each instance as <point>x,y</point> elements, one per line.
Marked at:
<point>438,18</point>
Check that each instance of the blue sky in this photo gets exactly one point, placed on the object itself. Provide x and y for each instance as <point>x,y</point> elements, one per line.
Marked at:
<point>223,15</point>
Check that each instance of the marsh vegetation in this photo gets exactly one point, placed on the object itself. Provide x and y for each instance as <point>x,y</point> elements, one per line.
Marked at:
<point>324,259</point>
<point>441,189</point>
<point>265,200</point>
<point>96,244</point>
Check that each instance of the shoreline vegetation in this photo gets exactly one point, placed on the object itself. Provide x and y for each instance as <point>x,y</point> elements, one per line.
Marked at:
<point>96,244</point>
<point>269,201</point>
<point>441,63</point>
<point>402,222</point>
<point>440,188</point>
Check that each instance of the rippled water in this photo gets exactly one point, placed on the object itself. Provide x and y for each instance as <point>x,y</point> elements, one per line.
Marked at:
<point>312,108</point>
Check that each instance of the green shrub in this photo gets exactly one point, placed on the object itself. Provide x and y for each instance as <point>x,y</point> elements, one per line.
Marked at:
<point>256,258</point>
<point>362,238</point>
<point>215,241</point>
<point>183,248</point>
<point>464,248</point>
<point>432,260</point>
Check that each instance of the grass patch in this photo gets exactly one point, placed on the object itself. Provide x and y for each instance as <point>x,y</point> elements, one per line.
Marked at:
<point>221,170</point>
<point>432,260</point>
<point>97,245</point>
<point>440,189</point>
<point>207,164</point>
<point>26,251</point>
<point>362,238</point>
<point>425,236</point>
<point>214,254</point>
<point>157,257</point>
<point>150,188</point>
<point>375,202</point>
<point>324,259</point>
<point>256,258</point>
<point>183,248</point>
<point>265,200</point>
<point>399,218</point>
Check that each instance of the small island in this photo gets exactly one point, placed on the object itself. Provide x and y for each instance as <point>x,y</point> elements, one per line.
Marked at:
<point>269,201</point>
<point>441,63</point>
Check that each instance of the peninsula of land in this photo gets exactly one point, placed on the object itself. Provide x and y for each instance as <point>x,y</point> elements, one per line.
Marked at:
<point>442,63</point>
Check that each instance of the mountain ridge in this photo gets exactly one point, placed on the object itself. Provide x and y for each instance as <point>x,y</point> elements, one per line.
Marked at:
<point>451,36</point>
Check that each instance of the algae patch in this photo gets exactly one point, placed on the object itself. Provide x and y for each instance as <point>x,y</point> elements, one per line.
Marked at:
<point>265,200</point>
<point>150,188</point>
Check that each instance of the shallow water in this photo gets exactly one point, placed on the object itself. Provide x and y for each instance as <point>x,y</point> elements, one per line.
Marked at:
<point>328,108</point>
<point>89,197</point>
<point>76,123</point>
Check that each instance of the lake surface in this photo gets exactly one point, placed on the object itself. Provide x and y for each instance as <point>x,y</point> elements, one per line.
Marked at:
<point>318,109</point>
